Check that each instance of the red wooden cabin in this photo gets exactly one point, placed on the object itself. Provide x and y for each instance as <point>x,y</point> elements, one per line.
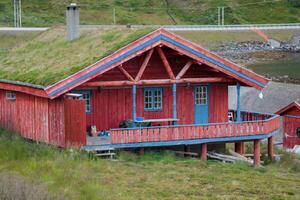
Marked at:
<point>178,86</point>
<point>291,124</point>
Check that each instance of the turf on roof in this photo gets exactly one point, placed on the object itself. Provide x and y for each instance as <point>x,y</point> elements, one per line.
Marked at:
<point>50,57</point>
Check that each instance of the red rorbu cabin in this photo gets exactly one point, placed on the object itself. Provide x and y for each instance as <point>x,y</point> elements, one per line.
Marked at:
<point>160,90</point>
<point>291,124</point>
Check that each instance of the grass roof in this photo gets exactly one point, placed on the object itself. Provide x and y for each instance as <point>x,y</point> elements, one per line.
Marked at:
<point>49,57</point>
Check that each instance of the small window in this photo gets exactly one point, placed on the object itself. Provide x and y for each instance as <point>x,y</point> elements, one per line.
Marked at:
<point>201,95</point>
<point>10,95</point>
<point>298,132</point>
<point>86,95</point>
<point>153,99</point>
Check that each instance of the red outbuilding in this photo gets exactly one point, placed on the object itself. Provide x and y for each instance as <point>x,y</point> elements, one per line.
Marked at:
<point>291,124</point>
<point>172,91</point>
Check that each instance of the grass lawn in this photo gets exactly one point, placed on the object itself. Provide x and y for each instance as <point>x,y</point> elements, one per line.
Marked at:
<point>78,175</point>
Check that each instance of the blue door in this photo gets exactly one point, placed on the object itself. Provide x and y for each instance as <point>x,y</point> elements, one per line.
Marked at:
<point>201,104</point>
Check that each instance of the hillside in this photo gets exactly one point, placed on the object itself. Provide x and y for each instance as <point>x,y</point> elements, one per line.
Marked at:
<point>77,175</point>
<point>46,13</point>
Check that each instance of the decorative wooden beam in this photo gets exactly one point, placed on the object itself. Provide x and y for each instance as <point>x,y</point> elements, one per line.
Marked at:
<point>144,65</point>
<point>165,62</point>
<point>157,82</point>
<point>125,73</point>
<point>184,70</point>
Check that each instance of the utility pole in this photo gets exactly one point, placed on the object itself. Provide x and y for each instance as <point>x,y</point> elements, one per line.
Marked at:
<point>114,16</point>
<point>221,15</point>
<point>17,13</point>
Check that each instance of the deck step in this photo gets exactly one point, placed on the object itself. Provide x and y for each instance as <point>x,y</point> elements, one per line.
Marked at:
<point>106,153</point>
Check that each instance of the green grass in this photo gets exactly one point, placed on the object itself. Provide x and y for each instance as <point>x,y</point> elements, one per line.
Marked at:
<point>49,57</point>
<point>47,13</point>
<point>77,175</point>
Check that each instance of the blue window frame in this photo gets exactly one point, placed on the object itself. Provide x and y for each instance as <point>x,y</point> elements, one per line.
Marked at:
<point>153,99</point>
<point>87,96</point>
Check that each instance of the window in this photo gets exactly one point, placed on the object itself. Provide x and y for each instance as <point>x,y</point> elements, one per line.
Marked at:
<point>86,95</point>
<point>298,132</point>
<point>201,95</point>
<point>153,99</point>
<point>10,95</point>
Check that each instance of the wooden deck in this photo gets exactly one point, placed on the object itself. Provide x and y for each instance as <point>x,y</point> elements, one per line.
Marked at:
<point>253,126</point>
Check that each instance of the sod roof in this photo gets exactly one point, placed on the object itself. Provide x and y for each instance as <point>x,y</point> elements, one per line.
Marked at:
<point>49,57</point>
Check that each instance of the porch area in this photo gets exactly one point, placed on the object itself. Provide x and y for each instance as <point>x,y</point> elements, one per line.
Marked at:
<point>251,126</point>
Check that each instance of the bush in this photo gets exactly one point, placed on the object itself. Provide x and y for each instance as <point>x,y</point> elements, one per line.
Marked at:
<point>295,3</point>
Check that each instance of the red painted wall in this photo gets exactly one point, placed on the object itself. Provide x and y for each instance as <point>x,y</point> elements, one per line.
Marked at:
<point>111,106</point>
<point>290,138</point>
<point>290,124</point>
<point>44,120</point>
<point>218,103</point>
<point>75,122</point>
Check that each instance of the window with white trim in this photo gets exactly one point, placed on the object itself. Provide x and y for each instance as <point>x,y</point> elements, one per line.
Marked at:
<point>86,95</point>
<point>201,95</point>
<point>153,99</point>
<point>11,96</point>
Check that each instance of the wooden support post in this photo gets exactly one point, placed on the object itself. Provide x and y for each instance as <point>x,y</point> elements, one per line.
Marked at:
<point>238,147</point>
<point>165,62</point>
<point>243,148</point>
<point>134,104</point>
<point>128,76</point>
<point>142,151</point>
<point>270,148</point>
<point>144,65</point>
<point>238,101</point>
<point>184,69</point>
<point>174,102</point>
<point>256,153</point>
<point>204,151</point>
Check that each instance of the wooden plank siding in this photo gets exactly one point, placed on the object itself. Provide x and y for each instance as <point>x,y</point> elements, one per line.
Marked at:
<point>111,106</point>
<point>75,122</point>
<point>43,120</point>
<point>290,138</point>
<point>291,121</point>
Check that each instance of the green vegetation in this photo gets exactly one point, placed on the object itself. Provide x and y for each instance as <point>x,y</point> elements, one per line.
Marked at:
<point>47,57</point>
<point>47,13</point>
<point>77,175</point>
<point>50,57</point>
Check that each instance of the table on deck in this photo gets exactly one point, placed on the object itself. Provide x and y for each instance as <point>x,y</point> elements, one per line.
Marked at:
<point>169,120</point>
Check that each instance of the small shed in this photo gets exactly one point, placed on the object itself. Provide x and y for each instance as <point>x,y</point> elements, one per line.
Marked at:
<point>291,124</point>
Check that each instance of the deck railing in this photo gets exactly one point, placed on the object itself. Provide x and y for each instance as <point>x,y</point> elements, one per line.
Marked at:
<point>267,125</point>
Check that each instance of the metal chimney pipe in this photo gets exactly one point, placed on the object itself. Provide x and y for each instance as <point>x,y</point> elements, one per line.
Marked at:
<point>73,21</point>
